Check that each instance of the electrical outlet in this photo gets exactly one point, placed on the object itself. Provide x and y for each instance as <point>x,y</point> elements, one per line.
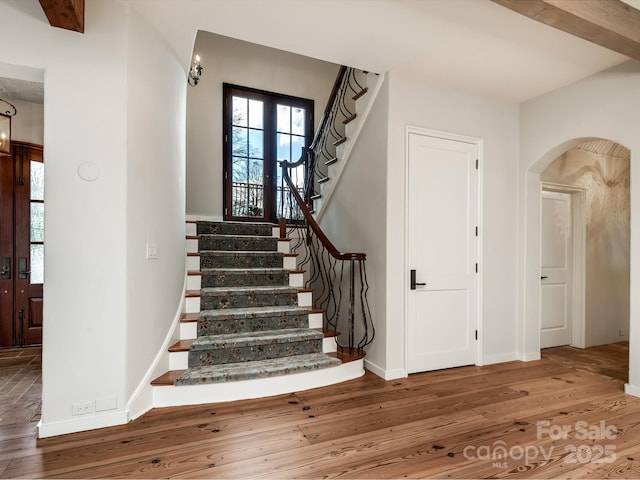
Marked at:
<point>152,251</point>
<point>81,408</point>
<point>621,332</point>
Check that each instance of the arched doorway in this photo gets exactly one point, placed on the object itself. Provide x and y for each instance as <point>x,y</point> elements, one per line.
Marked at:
<point>586,163</point>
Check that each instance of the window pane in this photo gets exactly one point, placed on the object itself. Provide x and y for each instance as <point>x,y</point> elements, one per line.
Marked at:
<point>37,222</point>
<point>297,145</point>
<point>37,180</point>
<point>255,199</point>
<point>239,170</point>
<point>297,121</point>
<point>297,176</point>
<point>256,141</point>
<point>239,111</point>
<point>239,141</point>
<point>256,172</point>
<point>37,264</point>
<point>284,119</point>
<point>255,114</point>
<point>284,146</point>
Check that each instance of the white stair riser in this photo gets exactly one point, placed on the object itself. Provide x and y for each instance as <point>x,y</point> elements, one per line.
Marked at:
<point>191,229</point>
<point>296,280</point>
<point>193,263</point>
<point>315,320</point>
<point>194,282</point>
<point>188,330</point>
<point>192,304</point>
<point>178,360</point>
<point>192,245</point>
<point>275,232</point>
<point>290,263</point>
<point>329,345</point>
<point>305,299</point>
<point>283,246</point>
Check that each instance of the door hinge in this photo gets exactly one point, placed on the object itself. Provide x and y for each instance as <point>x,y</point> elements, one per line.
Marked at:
<point>226,175</point>
<point>226,137</point>
<point>477,163</point>
<point>476,230</point>
<point>225,211</point>
<point>476,334</point>
<point>476,268</point>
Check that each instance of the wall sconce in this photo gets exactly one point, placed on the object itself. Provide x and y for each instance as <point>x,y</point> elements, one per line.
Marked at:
<point>5,129</point>
<point>195,72</point>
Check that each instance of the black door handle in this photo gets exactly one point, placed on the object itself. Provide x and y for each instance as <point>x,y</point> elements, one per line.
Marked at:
<point>544,277</point>
<point>6,268</point>
<point>413,281</point>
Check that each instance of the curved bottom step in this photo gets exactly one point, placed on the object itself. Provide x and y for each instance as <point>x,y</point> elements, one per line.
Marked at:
<point>232,372</point>
<point>171,396</point>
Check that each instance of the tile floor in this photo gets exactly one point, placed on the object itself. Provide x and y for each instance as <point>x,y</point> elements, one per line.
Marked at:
<point>20,385</point>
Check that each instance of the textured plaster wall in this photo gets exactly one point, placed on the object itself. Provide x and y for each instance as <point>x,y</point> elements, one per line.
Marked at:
<point>606,181</point>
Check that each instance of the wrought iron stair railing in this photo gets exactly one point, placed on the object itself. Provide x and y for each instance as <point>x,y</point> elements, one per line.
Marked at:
<point>339,280</point>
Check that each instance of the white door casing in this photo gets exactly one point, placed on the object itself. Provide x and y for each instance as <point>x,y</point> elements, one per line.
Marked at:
<point>442,246</point>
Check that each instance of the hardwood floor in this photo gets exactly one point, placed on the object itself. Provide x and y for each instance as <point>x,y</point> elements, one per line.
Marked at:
<point>20,385</point>
<point>445,424</point>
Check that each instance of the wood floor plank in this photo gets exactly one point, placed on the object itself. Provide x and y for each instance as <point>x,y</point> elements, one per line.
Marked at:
<point>423,426</point>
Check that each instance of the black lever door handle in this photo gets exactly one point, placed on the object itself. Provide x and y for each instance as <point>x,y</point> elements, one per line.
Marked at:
<point>544,277</point>
<point>413,281</point>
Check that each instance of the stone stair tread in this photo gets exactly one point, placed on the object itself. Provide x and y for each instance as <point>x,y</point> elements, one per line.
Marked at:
<point>234,235</point>
<point>241,290</point>
<point>244,269</point>
<point>248,312</point>
<point>235,340</point>
<point>256,369</point>
<point>254,253</point>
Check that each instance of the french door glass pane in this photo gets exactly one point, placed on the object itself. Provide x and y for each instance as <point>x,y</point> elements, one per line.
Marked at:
<point>37,222</point>
<point>297,121</point>
<point>37,180</point>
<point>37,264</point>
<point>284,119</point>
<point>240,112</point>
<point>247,145</point>
<point>256,115</point>
<point>284,146</point>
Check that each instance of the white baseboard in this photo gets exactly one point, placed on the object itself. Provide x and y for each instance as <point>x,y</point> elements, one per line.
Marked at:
<point>80,424</point>
<point>530,356</point>
<point>386,374</point>
<point>500,358</point>
<point>631,390</point>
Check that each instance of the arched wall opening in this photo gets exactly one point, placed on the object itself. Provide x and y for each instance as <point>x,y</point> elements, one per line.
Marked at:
<point>531,301</point>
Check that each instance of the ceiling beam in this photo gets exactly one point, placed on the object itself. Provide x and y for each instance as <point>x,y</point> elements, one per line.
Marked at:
<point>612,24</point>
<point>67,14</point>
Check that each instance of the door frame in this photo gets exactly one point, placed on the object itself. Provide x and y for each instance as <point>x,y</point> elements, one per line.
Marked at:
<point>578,257</point>
<point>479,143</point>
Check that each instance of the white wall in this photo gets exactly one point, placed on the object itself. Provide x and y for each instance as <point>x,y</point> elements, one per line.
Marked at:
<point>87,320</point>
<point>355,218</point>
<point>28,124</point>
<point>605,180</point>
<point>156,102</point>
<point>416,103</point>
<point>606,105</point>
<point>227,60</point>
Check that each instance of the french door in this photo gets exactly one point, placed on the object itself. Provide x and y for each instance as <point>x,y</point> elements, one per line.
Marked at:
<point>21,245</point>
<point>261,129</point>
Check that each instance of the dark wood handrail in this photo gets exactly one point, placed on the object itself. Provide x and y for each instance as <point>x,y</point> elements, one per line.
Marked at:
<point>327,110</point>
<point>335,253</point>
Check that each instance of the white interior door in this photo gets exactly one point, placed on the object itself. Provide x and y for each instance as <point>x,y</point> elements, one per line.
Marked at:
<point>556,274</point>
<point>442,249</point>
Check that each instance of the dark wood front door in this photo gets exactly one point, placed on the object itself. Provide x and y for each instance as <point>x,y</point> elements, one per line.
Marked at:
<point>21,245</point>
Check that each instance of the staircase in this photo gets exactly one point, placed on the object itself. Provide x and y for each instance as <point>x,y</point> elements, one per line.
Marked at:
<point>249,329</point>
